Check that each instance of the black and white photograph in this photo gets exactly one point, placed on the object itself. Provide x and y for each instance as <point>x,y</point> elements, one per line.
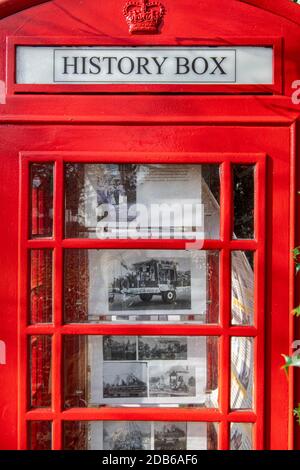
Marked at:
<point>162,348</point>
<point>172,380</point>
<point>154,435</point>
<point>124,380</point>
<point>168,370</point>
<point>148,283</point>
<point>170,436</point>
<point>116,185</point>
<point>126,435</point>
<point>119,348</point>
<point>152,284</point>
<point>116,199</point>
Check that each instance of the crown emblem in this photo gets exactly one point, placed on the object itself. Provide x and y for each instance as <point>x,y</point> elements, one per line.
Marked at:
<point>143,16</point>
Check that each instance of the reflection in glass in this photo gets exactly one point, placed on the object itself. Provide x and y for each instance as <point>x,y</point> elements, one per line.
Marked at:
<point>41,200</point>
<point>141,285</point>
<point>141,435</point>
<point>211,200</point>
<point>142,201</point>
<point>39,435</point>
<point>241,436</point>
<point>242,287</point>
<point>41,286</point>
<point>243,189</point>
<point>141,371</point>
<point>40,371</point>
<point>242,373</point>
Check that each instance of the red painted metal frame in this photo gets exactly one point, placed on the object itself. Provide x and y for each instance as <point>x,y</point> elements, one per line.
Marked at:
<point>224,330</point>
<point>9,7</point>
<point>280,8</point>
<point>275,42</point>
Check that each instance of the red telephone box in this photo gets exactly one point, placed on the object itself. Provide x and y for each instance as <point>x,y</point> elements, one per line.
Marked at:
<point>125,326</point>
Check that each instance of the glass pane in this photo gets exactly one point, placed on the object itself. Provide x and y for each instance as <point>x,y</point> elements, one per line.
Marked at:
<point>141,371</point>
<point>41,200</point>
<point>243,188</point>
<point>142,201</point>
<point>211,200</point>
<point>41,286</point>
<point>241,436</point>
<point>39,435</point>
<point>141,285</point>
<point>242,287</point>
<point>142,435</point>
<point>40,371</point>
<point>242,373</point>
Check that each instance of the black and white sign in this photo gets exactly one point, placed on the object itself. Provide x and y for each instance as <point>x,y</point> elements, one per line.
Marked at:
<point>144,65</point>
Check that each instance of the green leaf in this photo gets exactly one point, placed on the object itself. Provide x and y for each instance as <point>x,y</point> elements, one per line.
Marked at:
<point>287,364</point>
<point>297,413</point>
<point>296,253</point>
<point>297,268</point>
<point>290,361</point>
<point>296,311</point>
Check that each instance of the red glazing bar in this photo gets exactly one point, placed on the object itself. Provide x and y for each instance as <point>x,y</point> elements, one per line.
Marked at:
<point>58,304</point>
<point>225,299</point>
<point>139,244</point>
<point>143,414</point>
<point>140,330</point>
<point>142,157</point>
<point>147,414</point>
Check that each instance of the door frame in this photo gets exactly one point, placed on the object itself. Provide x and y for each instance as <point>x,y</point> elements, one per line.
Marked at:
<point>226,244</point>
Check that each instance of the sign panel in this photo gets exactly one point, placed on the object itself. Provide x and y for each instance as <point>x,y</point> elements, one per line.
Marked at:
<point>144,65</point>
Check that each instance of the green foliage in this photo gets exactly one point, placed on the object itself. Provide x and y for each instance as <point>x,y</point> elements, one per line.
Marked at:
<point>296,256</point>
<point>296,253</point>
<point>294,361</point>
<point>296,311</point>
<point>297,413</point>
<point>290,361</point>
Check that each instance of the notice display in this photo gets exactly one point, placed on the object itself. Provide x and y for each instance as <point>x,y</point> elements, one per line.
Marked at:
<point>144,65</point>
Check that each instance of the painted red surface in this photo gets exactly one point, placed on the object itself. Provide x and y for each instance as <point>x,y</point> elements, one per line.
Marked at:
<point>227,124</point>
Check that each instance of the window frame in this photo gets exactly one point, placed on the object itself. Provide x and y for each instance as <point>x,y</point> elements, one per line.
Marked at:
<point>226,244</point>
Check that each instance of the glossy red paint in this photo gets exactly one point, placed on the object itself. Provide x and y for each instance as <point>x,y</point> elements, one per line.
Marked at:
<point>9,7</point>
<point>144,17</point>
<point>224,124</point>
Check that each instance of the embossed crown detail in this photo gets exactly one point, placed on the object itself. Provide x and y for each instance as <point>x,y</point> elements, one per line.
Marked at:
<point>144,16</point>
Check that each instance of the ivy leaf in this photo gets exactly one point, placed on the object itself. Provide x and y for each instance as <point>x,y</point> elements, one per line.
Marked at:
<point>296,311</point>
<point>296,253</point>
<point>290,361</point>
<point>297,413</point>
<point>287,364</point>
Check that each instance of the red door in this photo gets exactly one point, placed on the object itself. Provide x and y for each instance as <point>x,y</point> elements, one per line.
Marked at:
<point>109,343</point>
